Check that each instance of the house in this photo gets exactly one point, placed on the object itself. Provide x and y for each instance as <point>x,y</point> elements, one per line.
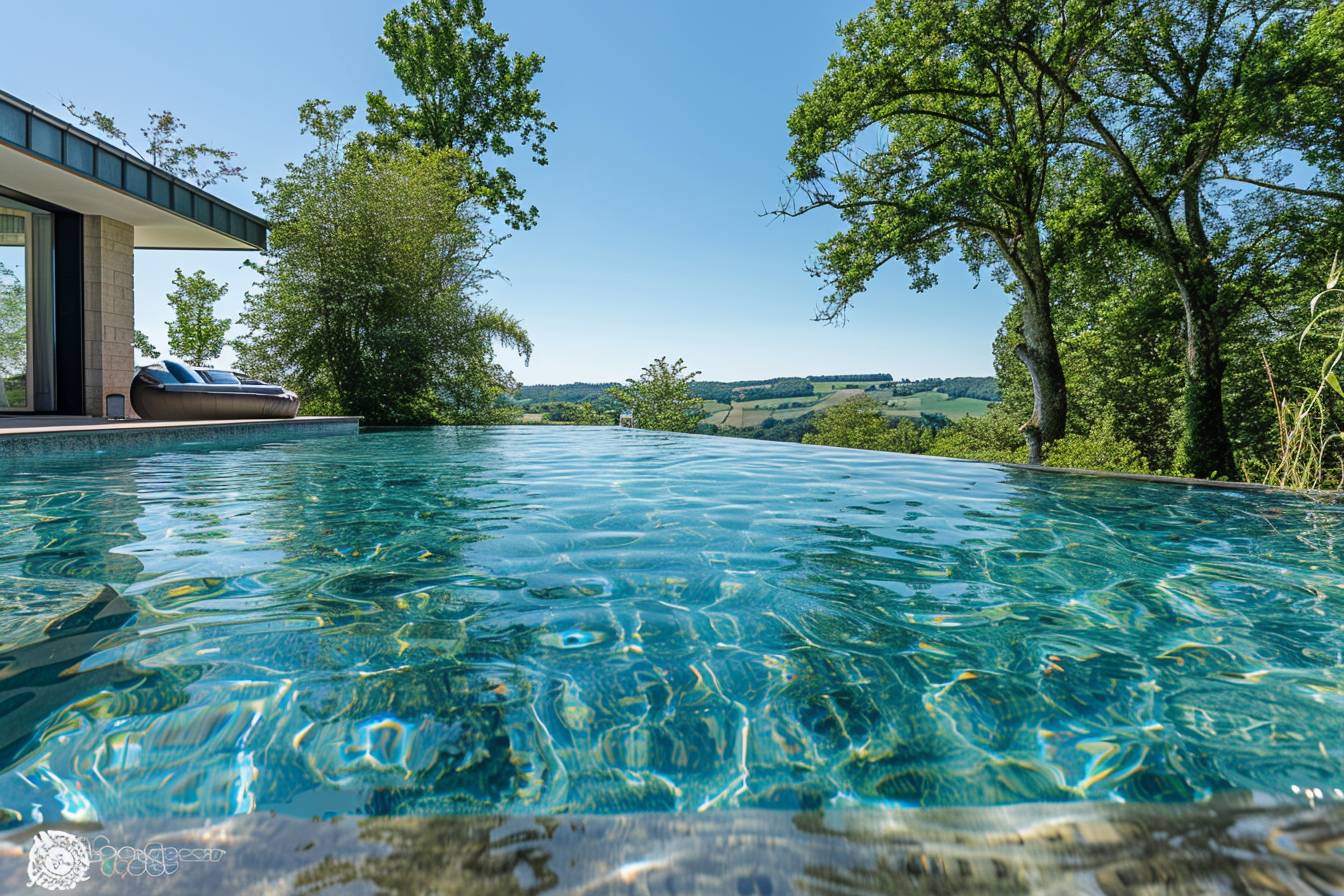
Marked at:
<point>73,209</point>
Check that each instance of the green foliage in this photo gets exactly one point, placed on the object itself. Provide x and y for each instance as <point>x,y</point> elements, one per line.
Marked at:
<point>661,398</point>
<point>996,436</point>
<point>165,146</point>
<point>948,168</point>
<point>580,413</point>
<point>194,334</point>
<point>13,338</point>
<point>926,137</point>
<point>785,388</point>
<point>985,388</point>
<point>1309,434</point>
<point>369,296</point>
<point>1152,182</point>
<point>13,321</point>
<point>1100,448</point>
<point>858,422</point>
<point>539,395</point>
<point>469,95</point>
<point>1190,127</point>
<point>143,347</point>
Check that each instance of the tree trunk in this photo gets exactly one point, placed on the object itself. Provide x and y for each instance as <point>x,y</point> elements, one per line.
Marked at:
<point>1040,354</point>
<point>1038,351</point>
<point>1205,450</point>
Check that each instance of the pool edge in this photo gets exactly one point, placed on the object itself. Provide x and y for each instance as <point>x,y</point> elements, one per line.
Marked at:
<point>143,436</point>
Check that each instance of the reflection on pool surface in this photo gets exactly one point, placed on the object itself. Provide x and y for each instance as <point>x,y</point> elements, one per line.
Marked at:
<point>549,619</point>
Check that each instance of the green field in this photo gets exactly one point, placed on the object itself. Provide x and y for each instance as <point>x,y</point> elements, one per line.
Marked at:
<point>933,403</point>
<point>768,403</point>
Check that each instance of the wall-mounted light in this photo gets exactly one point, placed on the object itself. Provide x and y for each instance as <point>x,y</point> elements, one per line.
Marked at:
<point>116,407</point>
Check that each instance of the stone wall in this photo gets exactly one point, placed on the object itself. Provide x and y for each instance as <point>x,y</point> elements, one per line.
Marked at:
<point>109,311</point>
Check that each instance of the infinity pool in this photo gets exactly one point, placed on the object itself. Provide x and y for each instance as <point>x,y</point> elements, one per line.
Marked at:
<point>549,619</point>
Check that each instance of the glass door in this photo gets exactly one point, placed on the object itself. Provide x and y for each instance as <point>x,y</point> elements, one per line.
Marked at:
<point>16,271</point>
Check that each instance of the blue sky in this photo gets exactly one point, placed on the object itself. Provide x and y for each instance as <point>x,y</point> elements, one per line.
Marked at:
<point>671,142</point>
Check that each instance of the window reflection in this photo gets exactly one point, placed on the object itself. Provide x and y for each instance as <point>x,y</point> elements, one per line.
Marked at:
<point>14,229</point>
<point>27,308</point>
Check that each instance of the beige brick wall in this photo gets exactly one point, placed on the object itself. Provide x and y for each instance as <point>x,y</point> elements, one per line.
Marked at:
<point>109,311</point>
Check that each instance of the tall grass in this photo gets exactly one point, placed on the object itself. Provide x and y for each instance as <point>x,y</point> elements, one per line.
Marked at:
<point>1307,430</point>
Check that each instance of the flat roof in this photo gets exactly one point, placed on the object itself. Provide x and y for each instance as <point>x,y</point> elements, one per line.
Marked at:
<point>53,161</point>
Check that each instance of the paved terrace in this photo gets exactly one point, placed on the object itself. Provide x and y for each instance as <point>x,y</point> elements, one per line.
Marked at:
<point>41,436</point>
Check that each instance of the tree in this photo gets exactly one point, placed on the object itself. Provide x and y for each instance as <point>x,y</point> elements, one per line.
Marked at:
<point>661,398</point>
<point>1173,99</point>
<point>966,142</point>
<point>143,347</point>
<point>369,296</point>
<point>469,94</point>
<point>13,337</point>
<point>858,422</point>
<point>165,146</point>
<point>194,334</point>
<point>585,414</point>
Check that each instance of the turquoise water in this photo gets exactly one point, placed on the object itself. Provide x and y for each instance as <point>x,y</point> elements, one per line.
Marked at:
<point>547,619</point>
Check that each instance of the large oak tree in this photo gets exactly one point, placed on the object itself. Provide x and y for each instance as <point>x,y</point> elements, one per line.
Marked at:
<point>927,137</point>
<point>1171,96</point>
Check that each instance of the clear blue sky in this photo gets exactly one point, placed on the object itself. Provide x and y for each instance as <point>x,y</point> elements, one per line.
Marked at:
<point>671,142</point>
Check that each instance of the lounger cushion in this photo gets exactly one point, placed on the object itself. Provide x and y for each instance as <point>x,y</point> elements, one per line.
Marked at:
<point>217,389</point>
<point>183,373</point>
<point>158,374</point>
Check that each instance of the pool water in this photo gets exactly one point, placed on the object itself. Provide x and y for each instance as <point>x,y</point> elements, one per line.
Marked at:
<point>554,619</point>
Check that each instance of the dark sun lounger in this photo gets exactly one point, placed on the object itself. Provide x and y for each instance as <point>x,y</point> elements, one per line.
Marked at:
<point>172,391</point>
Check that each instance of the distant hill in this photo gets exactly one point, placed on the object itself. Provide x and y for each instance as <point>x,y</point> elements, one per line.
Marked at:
<point>984,388</point>
<point>779,408</point>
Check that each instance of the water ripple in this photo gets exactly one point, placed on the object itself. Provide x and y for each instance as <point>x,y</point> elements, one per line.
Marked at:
<point>555,619</point>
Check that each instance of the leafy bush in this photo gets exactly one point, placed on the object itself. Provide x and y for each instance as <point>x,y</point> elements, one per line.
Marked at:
<point>1100,448</point>
<point>661,398</point>
<point>581,413</point>
<point>996,436</point>
<point>858,422</point>
<point>369,295</point>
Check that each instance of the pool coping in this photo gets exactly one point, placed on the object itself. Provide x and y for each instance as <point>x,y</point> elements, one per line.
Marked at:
<point>96,438</point>
<point>1219,845</point>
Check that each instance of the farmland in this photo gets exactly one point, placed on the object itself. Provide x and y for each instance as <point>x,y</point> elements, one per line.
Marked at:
<point>754,413</point>
<point>933,402</point>
<point>752,406</point>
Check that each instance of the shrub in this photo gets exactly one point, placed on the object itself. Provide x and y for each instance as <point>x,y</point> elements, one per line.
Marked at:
<point>1100,448</point>
<point>858,422</point>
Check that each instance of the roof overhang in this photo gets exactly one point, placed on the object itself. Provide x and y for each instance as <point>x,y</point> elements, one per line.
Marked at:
<point>55,163</point>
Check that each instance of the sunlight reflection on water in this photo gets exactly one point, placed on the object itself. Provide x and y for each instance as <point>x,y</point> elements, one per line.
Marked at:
<point>554,619</point>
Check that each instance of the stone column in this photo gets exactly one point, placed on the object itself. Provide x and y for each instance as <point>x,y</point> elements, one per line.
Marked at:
<point>109,311</point>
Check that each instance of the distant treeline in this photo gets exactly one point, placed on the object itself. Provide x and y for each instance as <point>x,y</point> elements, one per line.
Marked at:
<point>786,388</point>
<point>985,388</point>
<point>852,378</point>
<point>726,392</point>
<point>568,392</point>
